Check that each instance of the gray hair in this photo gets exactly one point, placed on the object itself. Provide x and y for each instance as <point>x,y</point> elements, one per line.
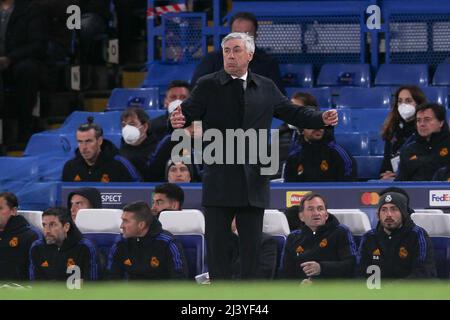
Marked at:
<point>248,40</point>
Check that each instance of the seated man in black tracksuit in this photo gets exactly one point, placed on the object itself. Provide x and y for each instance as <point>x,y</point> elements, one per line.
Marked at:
<point>146,251</point>
<point>427,151</point>
<point>64,246</point>
<point>83,198</point>
<point>319,158</point>
<point>167,197</point>
<point>398,246</point>
<point>322,247</point>
<point>97,159</point>
<point>16,237</point>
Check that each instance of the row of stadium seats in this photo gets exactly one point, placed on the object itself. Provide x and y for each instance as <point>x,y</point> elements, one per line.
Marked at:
<point>327,97</point>
<point>353,127</point>
<point>355,97</point>
<point>102,226</point>
<point>331,74</point>
<point>62,141</point>
<point>360,136</point>
<point>359,75</point>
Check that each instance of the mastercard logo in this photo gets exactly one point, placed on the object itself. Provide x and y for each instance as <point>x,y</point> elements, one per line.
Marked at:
<point>370,198</point>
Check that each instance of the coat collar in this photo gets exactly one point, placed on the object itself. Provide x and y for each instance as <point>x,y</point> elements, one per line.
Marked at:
<point>224,78</point>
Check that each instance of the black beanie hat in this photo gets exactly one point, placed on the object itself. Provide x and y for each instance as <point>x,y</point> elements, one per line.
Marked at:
<point>398,190</point>
<point>400,200</point>
<point>171,163</point>
<point>92,194</point>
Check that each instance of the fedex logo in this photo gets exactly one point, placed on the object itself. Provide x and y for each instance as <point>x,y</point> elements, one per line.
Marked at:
<point>440,198</point>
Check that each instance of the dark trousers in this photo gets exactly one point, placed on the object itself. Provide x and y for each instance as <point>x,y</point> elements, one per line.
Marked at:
<point>23,79</point>
<point>249,223</point>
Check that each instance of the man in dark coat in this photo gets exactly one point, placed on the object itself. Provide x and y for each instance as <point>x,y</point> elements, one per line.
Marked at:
<point>16,237</point>
<point>397,245</point>
<point>262,63</point>
<point>236,98</point>
<point>22,46</point>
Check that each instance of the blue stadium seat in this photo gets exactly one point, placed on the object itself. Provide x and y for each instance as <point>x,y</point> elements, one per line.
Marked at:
<point>15,169</point>
<point>442,75</point>
<point>344,74</point>
<point>61,144</point>
<point>160,74</point>
<point>276,225</point>
<point>51,142</point>
<point>38,195</point>
<point>147,98</point>
<point>369,120</point>
<point>437,94</point>
<point>297,75</point>
<point>115,138</point>
<point>368,167</point>
<point>322,95</point>
<point>356,143</point>
<point>353,97</point>
<point>437,226</point>
<point>376,143</point>
<point>109,121</point>
<point>188,226</point>
<point>101,226</point>
<point>401,74</point>
<point>441,248</point>
<point>51,167</point>
<point>155,113</point>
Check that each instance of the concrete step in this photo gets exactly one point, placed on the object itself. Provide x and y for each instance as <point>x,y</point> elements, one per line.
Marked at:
<point>15,153</point>
<point>133,79</point>
<point>95,101</point>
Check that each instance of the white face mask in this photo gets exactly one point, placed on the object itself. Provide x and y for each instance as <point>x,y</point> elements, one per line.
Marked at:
<point>130,134</point>
<point>406,111</point>
<point>173,105</point>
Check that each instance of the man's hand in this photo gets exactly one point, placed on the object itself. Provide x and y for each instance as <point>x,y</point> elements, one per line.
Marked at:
<point>388,175</point>
<point>177,120</point>
<point>311,268</point>
<point>330,117</point>
<point>4,63</point>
